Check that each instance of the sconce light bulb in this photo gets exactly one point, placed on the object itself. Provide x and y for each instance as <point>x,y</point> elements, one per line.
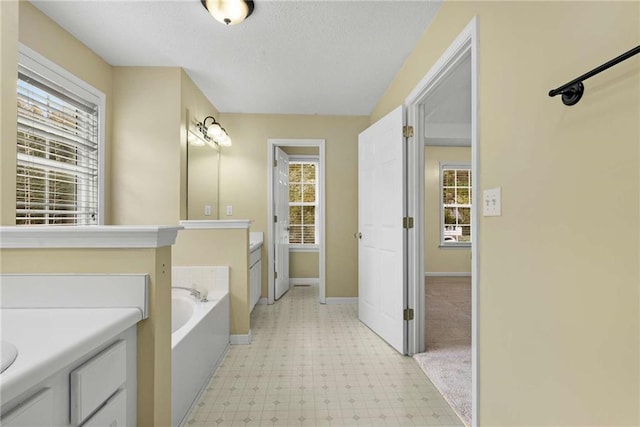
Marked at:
<point>214,131</point>
<point>224,140</point>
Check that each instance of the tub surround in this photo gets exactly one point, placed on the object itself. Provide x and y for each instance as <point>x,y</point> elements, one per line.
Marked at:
<point>201,341</point>
<point>212,281</point>
<point>91,254</point>
<point>220,242</point>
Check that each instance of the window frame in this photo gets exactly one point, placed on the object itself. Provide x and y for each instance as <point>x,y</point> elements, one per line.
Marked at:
<point>40,65</point>
<point>309,247</point>
<point>454,166</point>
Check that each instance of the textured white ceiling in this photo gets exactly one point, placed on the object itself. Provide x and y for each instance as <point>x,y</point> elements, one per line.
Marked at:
<point>447,110</point>
<point>292,57</point>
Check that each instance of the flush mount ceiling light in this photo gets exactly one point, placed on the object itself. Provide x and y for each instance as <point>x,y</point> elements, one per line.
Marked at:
<point>229,12</point>
<point>214,132</point>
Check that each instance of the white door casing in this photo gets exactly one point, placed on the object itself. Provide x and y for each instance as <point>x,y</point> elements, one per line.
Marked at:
<point>467,42</point>
<point>381,249</point>
<point>319,144</point>
<point>281,240</point>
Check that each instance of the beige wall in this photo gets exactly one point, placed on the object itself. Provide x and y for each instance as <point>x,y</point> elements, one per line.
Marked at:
<point>437,259</point>
<point>152,109</point>
<point>199,166</point>
<point>559,287</point>
<point>145,171</point>
<point>304,265</point>
<point>301,151</point>
<point>154,333</point>
<point>22,21</point>
<point>221,247</point>
<point>243,183</point>
<point>9,12</point>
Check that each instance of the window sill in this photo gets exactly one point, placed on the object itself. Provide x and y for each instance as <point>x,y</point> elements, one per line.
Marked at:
<point>455,246</point>
<point>304,248</point>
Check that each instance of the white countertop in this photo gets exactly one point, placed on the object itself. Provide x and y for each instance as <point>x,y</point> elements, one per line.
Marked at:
<point>49,339</point>
<point>87,236</point>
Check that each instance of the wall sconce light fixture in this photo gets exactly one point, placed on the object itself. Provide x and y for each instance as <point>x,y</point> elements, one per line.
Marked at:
<point>214,132</point>
<point>229,12</point>
<point>196,140</point>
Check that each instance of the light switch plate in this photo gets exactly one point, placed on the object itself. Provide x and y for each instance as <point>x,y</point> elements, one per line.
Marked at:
<point>207,210</point>
<point>492,202</point>
<point>229,210</point>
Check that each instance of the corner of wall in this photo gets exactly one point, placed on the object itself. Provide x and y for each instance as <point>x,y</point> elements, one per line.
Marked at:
<point>9,17</point>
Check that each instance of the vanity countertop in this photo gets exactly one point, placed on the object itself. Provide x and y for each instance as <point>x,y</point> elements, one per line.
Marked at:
<point>49,339</point>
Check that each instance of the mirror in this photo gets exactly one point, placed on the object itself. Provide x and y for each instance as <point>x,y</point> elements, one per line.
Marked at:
<point>203,175</point>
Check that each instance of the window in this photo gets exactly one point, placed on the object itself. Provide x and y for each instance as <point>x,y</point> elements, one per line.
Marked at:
<point>303,202</point>
<point>455,184</point>
<point>58,146</point>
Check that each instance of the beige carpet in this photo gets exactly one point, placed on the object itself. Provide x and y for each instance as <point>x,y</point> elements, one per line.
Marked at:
<point>447,361</point>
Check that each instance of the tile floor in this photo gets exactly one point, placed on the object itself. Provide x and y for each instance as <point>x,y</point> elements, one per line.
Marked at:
<point>317,365</point>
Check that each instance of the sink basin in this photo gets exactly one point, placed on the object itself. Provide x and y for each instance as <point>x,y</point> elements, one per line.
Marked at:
<point>9,354</point>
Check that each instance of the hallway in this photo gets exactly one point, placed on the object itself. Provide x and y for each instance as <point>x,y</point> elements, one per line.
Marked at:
<point>317,365</point>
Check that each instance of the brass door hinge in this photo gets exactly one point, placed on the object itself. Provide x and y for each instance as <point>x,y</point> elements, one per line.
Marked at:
<point>275,274</point>
<point>407,131</point>
<point>407,222</point>
<point>408,314</point>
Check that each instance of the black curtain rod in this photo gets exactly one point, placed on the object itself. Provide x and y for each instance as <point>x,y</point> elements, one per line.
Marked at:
<point>572,91</point>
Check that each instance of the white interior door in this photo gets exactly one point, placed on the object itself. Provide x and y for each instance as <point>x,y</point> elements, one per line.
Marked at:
<point>281,239</point>
<point>381,249</point>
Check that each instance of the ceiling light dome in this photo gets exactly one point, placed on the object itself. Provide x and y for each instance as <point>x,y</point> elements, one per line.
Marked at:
<point>229,12</point>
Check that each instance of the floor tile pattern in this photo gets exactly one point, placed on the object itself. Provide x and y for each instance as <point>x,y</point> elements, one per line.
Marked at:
<point>317,365</point>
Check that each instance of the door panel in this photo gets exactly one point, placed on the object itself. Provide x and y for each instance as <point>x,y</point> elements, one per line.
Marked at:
<point>281,201</point>
<point>381,208</point>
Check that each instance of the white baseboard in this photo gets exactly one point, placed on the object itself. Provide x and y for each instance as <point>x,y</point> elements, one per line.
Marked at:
<point>263,301</point>
<point>304,281</point>
<point>446,274</point>
<point>341,300</point>
<point>241,339</point>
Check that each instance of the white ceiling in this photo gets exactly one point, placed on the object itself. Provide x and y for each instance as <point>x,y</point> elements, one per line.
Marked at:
<point>290,57</point>
<point>447,110</point>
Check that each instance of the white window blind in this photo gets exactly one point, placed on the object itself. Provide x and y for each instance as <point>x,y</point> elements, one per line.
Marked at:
<point>57,154</point>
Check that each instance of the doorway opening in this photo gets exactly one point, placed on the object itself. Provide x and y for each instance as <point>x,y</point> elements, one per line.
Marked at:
<point>444,198</point>
<point>296,211</point>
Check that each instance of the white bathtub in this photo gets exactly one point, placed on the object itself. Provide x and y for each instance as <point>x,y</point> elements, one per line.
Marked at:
<point>199,340</point>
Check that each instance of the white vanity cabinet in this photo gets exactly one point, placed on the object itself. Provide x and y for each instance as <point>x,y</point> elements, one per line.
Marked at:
<point>99,388</point>
<point>255,277</point>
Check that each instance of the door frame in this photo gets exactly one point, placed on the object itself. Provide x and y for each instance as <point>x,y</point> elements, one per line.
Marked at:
<point>465,43</point>
<point>272,143</point>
